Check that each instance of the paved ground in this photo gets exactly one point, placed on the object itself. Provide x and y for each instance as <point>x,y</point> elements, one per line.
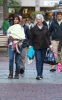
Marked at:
<point>27,87</point>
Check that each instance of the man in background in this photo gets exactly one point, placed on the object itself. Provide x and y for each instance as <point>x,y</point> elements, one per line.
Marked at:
<point>56,31</point>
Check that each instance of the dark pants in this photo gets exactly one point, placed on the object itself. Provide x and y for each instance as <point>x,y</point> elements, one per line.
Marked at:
<point>40,55</point>
<point>12,54</point>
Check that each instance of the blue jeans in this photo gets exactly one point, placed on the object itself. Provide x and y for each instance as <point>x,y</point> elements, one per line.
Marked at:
<point>40,55</point>
<point>12,54</point>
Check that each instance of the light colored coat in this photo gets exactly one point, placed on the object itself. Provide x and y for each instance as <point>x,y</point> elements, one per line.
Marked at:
<point>17,32</point>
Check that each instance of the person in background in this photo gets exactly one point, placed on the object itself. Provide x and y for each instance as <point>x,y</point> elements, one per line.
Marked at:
<point>30,24</point>
<point>5,26</point>
<point>20,17</point>
<point>54,17</point>
<point>26,21</point>
<point>25,44</point>
<point>47,21</point>
<point>11,21</point>
<point>44,23</point>
<point>40,41</point>
<point>56,31</point>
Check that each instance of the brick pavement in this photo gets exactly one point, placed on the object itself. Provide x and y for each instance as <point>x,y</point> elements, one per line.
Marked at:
<point>30,92</point>
<point>27,87</point>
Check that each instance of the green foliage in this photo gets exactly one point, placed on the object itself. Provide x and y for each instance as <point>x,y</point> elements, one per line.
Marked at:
<point>1,2</point>
<point>14,4</point>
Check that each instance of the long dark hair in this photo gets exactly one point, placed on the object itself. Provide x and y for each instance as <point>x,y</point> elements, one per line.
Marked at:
<point>17,17</point>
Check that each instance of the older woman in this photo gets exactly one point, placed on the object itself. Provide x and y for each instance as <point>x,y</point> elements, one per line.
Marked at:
<point>40,41</point>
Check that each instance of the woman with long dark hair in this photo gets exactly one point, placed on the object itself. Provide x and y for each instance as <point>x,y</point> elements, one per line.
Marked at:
<point>13,53</point>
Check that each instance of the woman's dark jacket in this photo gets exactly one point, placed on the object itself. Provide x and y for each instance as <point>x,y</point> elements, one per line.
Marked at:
<point>56,30</point>
<point>39,37</point>
<point>27,34</point>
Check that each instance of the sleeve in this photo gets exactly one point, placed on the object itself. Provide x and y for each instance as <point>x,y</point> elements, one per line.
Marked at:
<point>51,28</point>
<point>32,37</point>
<point>27,32</point>
<point>48,37</point>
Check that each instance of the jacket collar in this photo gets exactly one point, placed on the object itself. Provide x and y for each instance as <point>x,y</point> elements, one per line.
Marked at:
<point>55,21</point>
<point>37,28</point>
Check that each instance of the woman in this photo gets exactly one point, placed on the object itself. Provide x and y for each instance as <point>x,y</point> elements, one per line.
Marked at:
<point>40,41</point>
<point>13,53</point>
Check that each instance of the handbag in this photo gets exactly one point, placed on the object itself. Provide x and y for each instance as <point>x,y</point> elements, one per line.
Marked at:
<point>50,58</point>
<point>31,53</point>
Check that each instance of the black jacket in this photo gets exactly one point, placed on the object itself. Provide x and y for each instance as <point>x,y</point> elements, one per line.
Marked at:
<point>39,37</point>
<point>27,34</point>
<point>56,30</point>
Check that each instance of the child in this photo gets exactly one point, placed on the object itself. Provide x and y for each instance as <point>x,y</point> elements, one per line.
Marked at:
<point>16,32</point>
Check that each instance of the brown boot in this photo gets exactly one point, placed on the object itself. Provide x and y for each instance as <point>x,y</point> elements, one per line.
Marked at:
<point>10,75</point>
<point>16,76</point>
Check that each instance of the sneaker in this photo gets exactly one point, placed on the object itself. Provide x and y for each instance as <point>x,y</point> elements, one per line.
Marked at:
<point>21,71</point>
<point>41,77</point>
<point>52,70</point>
<point>38,78</point>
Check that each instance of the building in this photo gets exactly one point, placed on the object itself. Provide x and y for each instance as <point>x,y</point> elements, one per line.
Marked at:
<point>29,6</point>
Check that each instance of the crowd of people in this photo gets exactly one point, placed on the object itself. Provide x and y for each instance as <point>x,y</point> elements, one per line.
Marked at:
<point>23,35</point>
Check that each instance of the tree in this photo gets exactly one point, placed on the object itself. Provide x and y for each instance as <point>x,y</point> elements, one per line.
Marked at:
<point>14,4</point>
<point>5,9</point>
<point>1,2</point>
<point>10,4</point>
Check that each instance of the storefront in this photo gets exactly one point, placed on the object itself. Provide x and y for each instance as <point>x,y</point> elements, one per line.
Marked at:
<point>27,12</point>
<point>11,12</point>
<point>29,6</point>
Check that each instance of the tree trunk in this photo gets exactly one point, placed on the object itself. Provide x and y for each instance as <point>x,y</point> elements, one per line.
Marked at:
<point>5,9</point>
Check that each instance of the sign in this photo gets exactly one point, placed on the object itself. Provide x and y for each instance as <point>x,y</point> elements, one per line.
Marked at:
<point>50,3</point>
